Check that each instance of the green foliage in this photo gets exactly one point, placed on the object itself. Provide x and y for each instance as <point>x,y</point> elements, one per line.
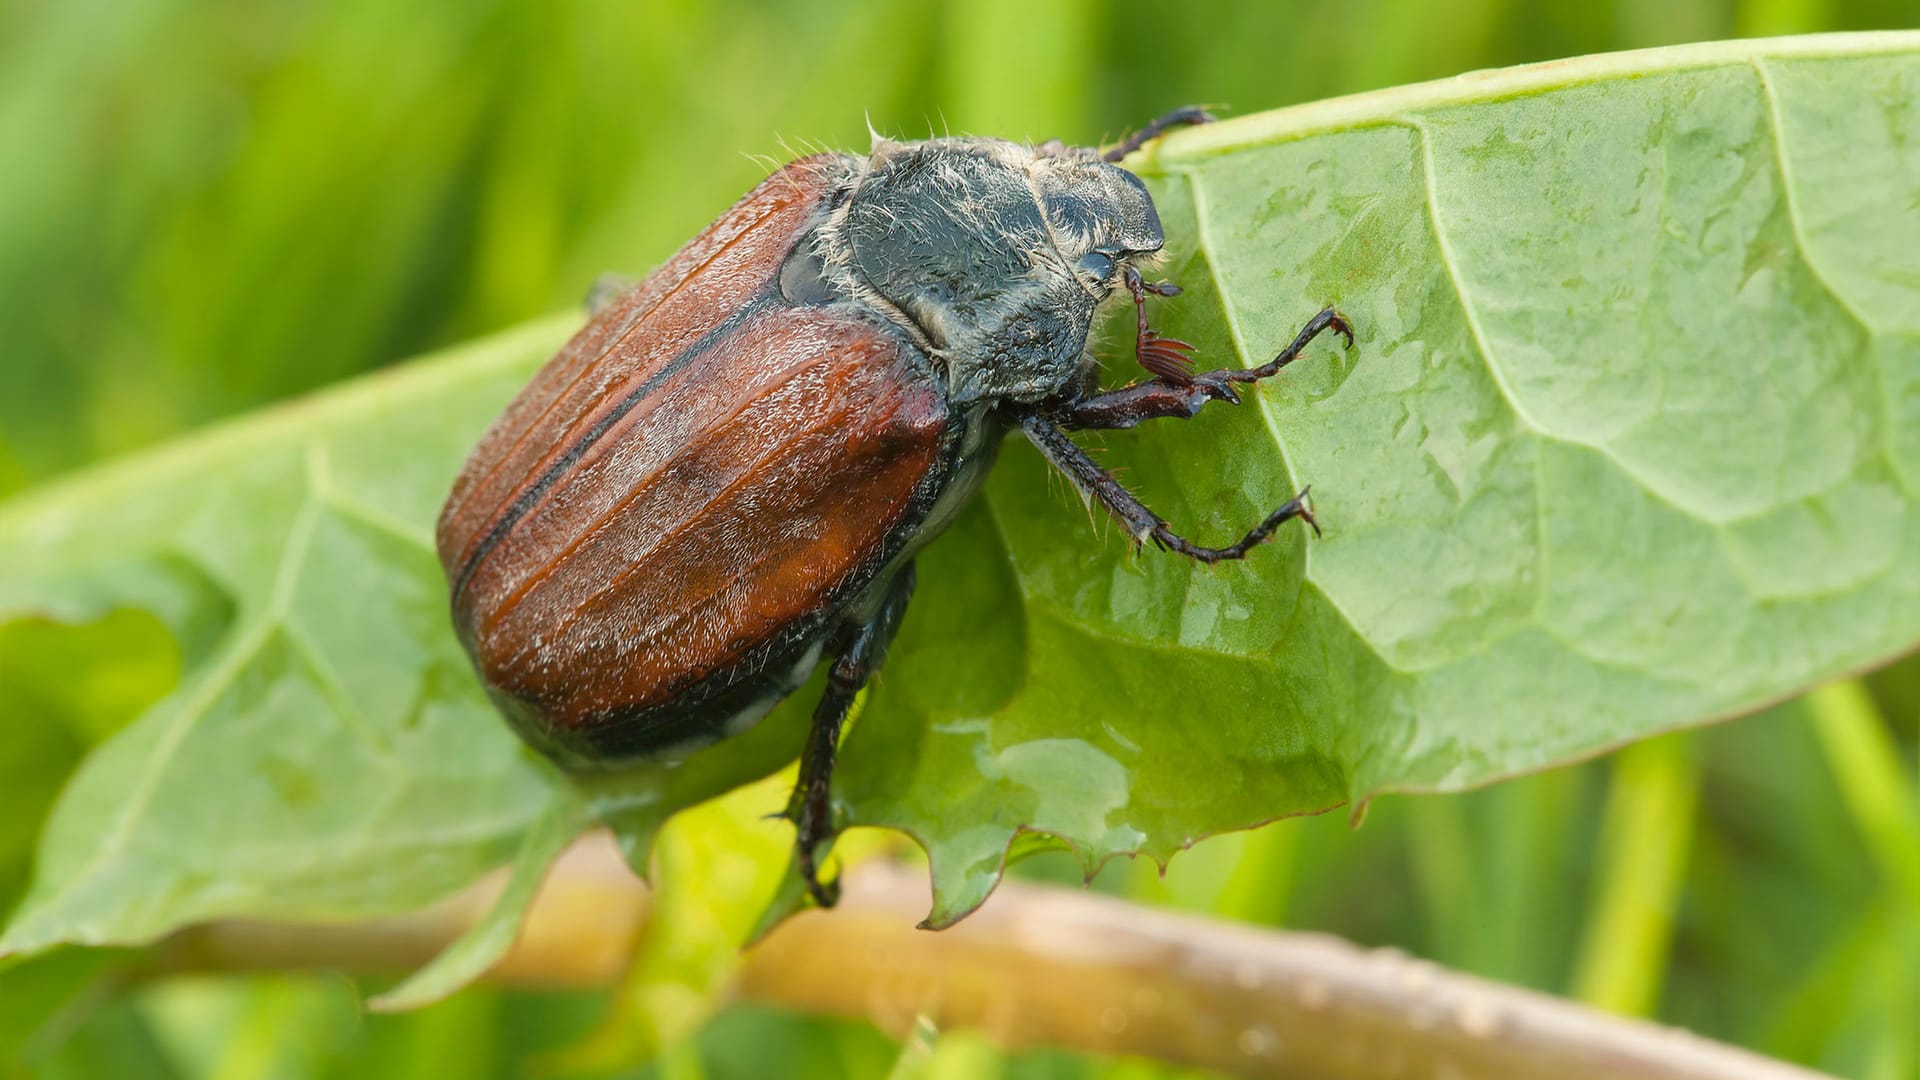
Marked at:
<point>1519,510</point>
<point>222,204</point>
<point>326,753</point>
<point>1561,281</point>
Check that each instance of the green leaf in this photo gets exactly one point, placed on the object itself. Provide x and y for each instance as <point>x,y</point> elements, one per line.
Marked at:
<point>1630,441</point>
<point>78,683</point>
<point>326,752</point>
<point>487,941</point>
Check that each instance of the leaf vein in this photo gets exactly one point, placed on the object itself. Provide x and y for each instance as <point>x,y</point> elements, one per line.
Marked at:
<point>1777,130</point>
<point>246,645</point>
<point>350,715</point>
<point>342,502</point>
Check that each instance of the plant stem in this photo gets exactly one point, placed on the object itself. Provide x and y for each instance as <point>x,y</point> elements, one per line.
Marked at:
<point>1048,966</point>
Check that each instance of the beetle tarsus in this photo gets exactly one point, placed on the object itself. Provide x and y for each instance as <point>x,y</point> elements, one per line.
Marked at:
<point>1326,319</point>
<point>1296,507</point>
<point>1139,521</point>
<point>1181,117</point>
<point>810,808</point>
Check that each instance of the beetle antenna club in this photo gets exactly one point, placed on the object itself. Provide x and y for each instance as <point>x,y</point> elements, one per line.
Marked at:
<point>722,481</point>
<point>1169,358</point>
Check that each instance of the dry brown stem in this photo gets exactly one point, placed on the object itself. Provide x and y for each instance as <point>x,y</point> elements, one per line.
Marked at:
<point>1048,966</point>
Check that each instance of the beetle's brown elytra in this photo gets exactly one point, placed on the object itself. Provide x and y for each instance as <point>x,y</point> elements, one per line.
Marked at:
<point>722,480</point>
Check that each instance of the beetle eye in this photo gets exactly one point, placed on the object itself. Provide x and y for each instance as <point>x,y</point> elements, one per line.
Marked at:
<point>1097,263</point>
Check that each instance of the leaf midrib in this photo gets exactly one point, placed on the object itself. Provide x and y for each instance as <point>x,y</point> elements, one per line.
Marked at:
<point>1372,107</point>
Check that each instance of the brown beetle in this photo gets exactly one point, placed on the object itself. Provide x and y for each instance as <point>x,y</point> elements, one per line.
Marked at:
<point>723,479</point>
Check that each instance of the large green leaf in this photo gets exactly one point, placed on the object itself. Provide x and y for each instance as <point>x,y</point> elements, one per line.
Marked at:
<point>326,752</point>
<point>1630,440</point>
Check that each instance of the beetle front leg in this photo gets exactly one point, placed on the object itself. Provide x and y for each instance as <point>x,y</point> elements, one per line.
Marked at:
<point>1160,398</point>
<point>1154,399</point>
<point>1141,523</point>
<point>1183,117</point>
<point>810,808</point>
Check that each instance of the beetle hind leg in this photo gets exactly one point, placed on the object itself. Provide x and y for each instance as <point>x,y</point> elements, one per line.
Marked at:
<point>811,806</point>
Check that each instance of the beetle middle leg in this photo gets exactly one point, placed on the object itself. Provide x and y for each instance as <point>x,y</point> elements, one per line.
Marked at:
<point>1141,523</point>
<point>811,806</point>
<point>1161,397</point>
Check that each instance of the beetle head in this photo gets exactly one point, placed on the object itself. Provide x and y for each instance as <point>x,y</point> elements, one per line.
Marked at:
<point>1100,214</point>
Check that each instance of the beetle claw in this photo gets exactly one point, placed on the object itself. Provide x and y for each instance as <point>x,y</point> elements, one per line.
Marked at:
<point>1303,509</point>
<point>1338,324</point>
<point>824,893</point>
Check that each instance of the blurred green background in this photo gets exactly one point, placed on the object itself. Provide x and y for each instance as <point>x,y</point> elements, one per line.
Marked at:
<point>207,205</point>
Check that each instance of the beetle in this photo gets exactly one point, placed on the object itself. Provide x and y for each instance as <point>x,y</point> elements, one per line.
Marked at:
<point>723,478</point>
